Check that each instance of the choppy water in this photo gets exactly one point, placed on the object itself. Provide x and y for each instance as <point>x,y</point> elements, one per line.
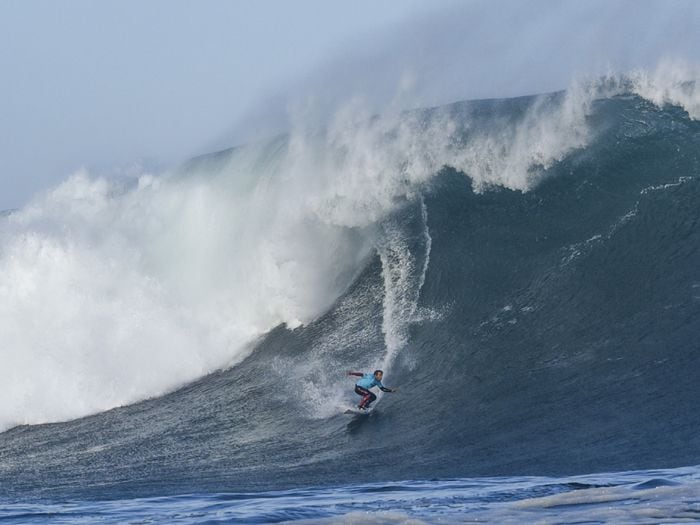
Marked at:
<point>643,497</point>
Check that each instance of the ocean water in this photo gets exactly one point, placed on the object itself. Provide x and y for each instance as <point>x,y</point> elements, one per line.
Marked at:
<point>526,271</point>
<point>642,497</point>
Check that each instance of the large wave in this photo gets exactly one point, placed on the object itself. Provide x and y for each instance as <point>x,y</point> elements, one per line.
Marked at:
<point>525,270</point>
<point>118,291</point>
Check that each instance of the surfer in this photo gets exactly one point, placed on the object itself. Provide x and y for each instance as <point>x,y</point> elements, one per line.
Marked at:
<point>367,381</point>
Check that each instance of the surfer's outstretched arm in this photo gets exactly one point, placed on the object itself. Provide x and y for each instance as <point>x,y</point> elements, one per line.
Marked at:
<point>358,374</point>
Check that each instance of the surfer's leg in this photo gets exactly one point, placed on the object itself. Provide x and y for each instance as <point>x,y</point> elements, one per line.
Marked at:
<point>367,396</point>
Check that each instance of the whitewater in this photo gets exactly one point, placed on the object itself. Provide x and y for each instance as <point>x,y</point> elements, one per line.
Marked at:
<point>524,269</point>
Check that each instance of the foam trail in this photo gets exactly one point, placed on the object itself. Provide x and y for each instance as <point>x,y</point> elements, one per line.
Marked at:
<point>404,250</point>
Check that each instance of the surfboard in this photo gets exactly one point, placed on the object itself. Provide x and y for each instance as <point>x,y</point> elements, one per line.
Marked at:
<point>357,412</point>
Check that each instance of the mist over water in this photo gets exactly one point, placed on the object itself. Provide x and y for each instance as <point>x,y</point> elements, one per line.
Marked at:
<point>481,49</point>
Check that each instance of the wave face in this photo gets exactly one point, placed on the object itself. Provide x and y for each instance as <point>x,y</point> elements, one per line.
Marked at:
<point>525,270</point>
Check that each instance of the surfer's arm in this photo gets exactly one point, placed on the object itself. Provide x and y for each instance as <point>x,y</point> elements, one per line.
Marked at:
<point>358,374</point>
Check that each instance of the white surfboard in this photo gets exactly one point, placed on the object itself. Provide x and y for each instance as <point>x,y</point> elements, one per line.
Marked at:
<point>357,412</point>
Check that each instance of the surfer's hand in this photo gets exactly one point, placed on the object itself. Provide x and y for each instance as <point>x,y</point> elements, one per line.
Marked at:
<point>394,390</point>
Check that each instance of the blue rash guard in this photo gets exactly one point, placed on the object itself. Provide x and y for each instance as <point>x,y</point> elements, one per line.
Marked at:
<point>368,381</point>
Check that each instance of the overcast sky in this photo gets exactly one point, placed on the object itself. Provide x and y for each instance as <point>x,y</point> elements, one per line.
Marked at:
<point>105,83</point>
<point>110,84</point>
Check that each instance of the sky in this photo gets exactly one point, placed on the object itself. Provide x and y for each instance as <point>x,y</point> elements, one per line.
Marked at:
<point>119,86</point>
<point>115,84</point>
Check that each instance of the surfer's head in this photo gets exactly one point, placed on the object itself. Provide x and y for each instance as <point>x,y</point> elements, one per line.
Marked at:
<point>378,374</point>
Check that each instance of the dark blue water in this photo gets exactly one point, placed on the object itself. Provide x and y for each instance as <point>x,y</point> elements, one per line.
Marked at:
<point>552,332</point>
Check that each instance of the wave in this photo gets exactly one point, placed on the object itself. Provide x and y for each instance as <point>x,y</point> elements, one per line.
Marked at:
<point>115,292</point>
